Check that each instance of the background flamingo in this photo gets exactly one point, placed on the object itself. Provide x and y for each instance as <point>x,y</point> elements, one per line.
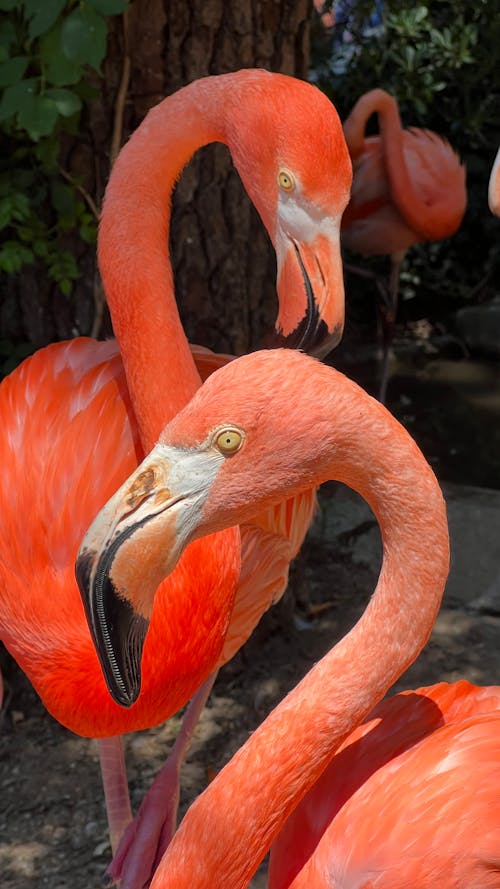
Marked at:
<point>408,188</point>
<point>73,428</point>
<point>494,186</point>
<point>410,758</point>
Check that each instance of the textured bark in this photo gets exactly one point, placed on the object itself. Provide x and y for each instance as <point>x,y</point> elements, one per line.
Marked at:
<point>224,264</point>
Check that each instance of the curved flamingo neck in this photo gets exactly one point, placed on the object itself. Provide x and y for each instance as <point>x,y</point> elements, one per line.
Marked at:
<point>430,219</point>
<point>230,827</point>
<point>133,251</point>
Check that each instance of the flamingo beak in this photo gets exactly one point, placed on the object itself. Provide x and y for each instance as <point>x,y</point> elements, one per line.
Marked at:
<point>132,545</point>
<point>311,292</point>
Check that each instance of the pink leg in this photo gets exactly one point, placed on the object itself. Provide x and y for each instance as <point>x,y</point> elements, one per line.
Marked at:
<point>149,834</point>
<point>116,795</point>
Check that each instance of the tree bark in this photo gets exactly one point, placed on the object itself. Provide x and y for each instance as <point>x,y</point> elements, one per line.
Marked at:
<point>223,262</point>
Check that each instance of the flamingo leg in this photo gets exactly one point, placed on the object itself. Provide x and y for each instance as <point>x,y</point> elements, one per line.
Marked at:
<point>387,314</point>
<point>114,780</point>
<point>147,837</point>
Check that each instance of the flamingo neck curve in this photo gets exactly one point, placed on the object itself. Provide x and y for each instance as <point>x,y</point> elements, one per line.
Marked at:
<point>133,250</point>
<point>231,826</point>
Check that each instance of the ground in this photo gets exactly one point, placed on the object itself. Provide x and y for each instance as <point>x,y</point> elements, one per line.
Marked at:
<point>52,823</point>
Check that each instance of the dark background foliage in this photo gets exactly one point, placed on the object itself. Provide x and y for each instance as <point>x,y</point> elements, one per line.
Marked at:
<point>77,77</point>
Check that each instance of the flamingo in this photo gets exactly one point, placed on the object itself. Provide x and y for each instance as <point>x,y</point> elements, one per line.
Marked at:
<point>231,452</point>
<point>408,188</point>
<point>494,186</point>
<point>77,416</point>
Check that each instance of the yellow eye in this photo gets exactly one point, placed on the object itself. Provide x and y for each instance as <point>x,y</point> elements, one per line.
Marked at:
<point>229,441</point>
<point>286,180</point>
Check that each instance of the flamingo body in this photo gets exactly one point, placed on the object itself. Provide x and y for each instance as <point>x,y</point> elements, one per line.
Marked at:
<point>374,224</point>
<point>408,185</point>
<point>68,426</point>
<point>68,400</point>
<point>394,808</point>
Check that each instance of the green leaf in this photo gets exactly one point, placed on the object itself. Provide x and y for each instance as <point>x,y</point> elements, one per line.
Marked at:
<point>13,256</point>
<point>109,7</point>
<point>38,117</point>
<point>83,37</point>
<point>13,70</point>
<point>62,268</point>
<point>42,15</point>
<point>17,96</point>
<point>58,69</point>
<point>7,5</point>
<point>67,102</point>
<point>14,208</point>
<point>65,287</point>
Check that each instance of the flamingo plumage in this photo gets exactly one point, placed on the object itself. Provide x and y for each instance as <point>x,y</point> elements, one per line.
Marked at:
<point>408,188</point>
<point>77,416</point>
<point>232,451</point>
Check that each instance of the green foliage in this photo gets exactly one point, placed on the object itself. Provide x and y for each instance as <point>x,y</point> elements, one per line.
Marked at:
<point>440,59</point>
<point>46,49</point>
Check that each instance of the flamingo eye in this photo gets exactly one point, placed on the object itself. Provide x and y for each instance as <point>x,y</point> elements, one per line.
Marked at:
<point>228,441</point>
<point>286,180</point>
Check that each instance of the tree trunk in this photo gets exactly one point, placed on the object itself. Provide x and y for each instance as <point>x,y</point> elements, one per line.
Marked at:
<point>223,261</point>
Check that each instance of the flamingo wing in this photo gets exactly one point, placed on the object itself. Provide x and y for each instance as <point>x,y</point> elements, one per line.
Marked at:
<point>69,440</point>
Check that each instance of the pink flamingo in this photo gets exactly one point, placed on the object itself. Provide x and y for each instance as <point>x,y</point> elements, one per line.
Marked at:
<point>408,188</point>
<point>75,421</point>
<point>231,452</point>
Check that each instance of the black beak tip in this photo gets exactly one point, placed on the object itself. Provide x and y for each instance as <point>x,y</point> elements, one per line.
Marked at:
<point>314,339</point>
<point>117,631</point>
<point>119,642</point>
<point>325,341</point>
<point>124,697</point>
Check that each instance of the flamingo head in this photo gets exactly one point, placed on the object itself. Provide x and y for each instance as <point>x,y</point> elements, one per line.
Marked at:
<point>221,460</point>
<point>294,163</point>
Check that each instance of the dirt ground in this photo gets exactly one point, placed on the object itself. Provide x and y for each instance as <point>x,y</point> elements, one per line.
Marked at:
<point>52,822</point>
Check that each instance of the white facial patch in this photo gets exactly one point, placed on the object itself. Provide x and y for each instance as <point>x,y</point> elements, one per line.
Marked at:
<point>300,220</point>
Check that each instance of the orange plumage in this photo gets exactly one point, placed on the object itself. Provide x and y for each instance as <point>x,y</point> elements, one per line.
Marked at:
<point>409,798</point>
<point>69,440</point>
